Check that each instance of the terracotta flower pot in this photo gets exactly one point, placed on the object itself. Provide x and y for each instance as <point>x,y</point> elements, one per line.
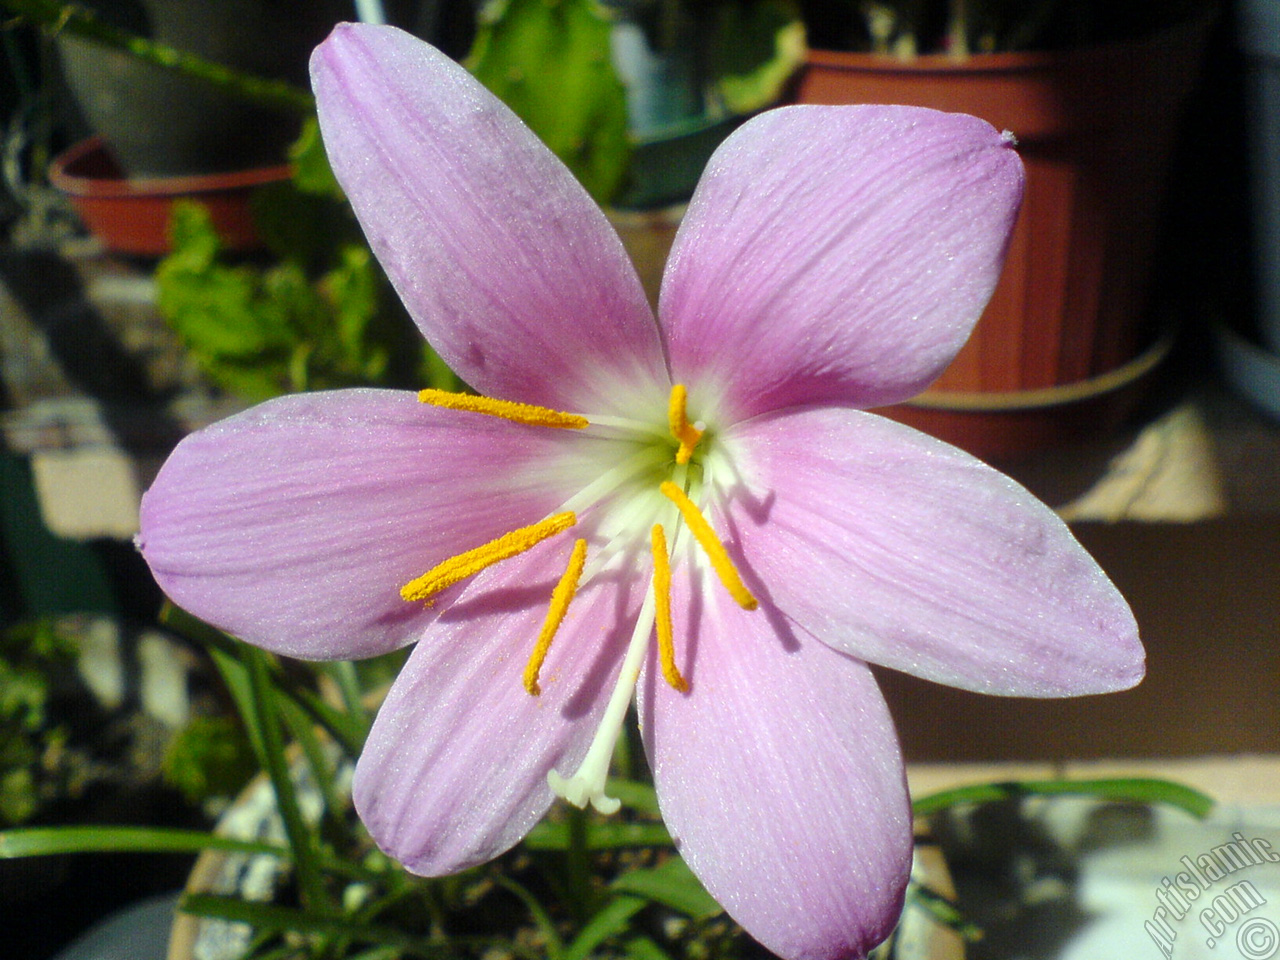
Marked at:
<point>131,216</point>
<point>1066,339</point>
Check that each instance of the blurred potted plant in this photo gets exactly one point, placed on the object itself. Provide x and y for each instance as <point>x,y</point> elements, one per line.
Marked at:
<point>1252,363</point>
<point>635,95</point>
<point>185,99</point>
<point>1093,92</point>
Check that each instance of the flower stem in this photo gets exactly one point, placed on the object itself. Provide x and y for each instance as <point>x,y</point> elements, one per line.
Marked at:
<point>578,864</point>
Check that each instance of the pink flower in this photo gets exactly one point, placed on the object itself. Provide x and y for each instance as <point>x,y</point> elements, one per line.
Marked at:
<point>833,258</point>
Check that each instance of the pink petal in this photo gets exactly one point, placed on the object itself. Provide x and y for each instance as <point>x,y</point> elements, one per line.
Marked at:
<point>904,551</point>
<point>510,270</point>
<point>294,525</point>
<point>780,778</point>
<point>454,771</point>
<point>838,254</point>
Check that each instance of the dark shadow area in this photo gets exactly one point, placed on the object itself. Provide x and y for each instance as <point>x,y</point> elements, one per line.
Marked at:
<point>1208,606</point>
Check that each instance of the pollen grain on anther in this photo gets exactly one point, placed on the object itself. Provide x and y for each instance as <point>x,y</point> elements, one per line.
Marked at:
<point>526,413</point>
<point>682,430</point>
<point>561,597</point>
<point>457,568</point>
<point>711,545</point>
<point>662,610</point>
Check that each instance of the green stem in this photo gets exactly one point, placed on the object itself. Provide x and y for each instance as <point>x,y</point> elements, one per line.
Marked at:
<point>301,840</point>
<point>76,20</point>
<point>578,863</point>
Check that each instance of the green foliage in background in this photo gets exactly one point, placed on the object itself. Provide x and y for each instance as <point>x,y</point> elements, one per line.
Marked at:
<point>210,760</point>
<point>755,47</point>
<point>31,655</point>
<point>319,314</point>
<point>549,61</point>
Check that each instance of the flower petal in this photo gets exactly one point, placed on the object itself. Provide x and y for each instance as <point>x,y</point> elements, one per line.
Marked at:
<point>454,771</point>
<point>838,254</point>
<point>780,778</point>
<point>294,524</point>
<point>505,263</point>
<point>907,552</point>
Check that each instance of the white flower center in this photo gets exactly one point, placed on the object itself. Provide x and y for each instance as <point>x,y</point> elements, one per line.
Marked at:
<point>669,470</point>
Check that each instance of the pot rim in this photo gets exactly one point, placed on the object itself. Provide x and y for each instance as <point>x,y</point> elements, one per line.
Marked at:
<point>69,173</point>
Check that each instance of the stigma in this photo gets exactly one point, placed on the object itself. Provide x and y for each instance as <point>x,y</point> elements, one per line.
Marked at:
<point>645,508</point>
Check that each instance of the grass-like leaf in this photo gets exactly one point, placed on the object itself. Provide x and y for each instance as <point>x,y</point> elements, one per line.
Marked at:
<point>273,917</point>
<point>45,841</point>
<point>600,836</point>
<point>612,919</point>
<point>671,884</point>
<point>547,927</point>
<point>634,795</point>
<point>1126,789</point>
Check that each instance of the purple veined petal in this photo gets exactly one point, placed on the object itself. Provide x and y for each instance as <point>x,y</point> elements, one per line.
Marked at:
<point>780,778</point>
<point>904,551</point>
<point>294,524</point>
<point>511,271</point>
<point>454,771</point>
<point>838,254</point>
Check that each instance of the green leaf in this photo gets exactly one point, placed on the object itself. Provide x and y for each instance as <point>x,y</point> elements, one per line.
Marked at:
<point>1122,789</point>
<point>671,884</point>
<point>268,916</point>
<point>352,292</point>
<point>756,47</point>
<point>348,729</point>
<point>240,338</point>
<point>311,170</point>
<point>640,947</point>
<point>550,62</point>
<point>235,677</point>
<point>943,909</point>
<point>613,919</point>
<point>634,795</point>
<point>209,757</point>
<point>18,798</point>
<point>43,841</point>
<point>302,839</point>
<point>600,836</point>
<point>555,946</point>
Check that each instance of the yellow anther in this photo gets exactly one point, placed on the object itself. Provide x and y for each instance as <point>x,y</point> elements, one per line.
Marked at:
<point>662,610</point>
<point>506,409</point>
<point>457,568</point>
<point>681,428</point>
<point>711,545</point>
<point>561,597</point>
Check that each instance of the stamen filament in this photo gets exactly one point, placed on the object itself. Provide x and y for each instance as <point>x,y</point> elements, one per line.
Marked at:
<point>450,571</point>
<point>711,545</point>
<point>506,409</point>
<point>587,783</point>
<point>611,479</point>
<point>627,425</point>
<point>561,597</point>
<point>662,610</point>
<point>681,428</point>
